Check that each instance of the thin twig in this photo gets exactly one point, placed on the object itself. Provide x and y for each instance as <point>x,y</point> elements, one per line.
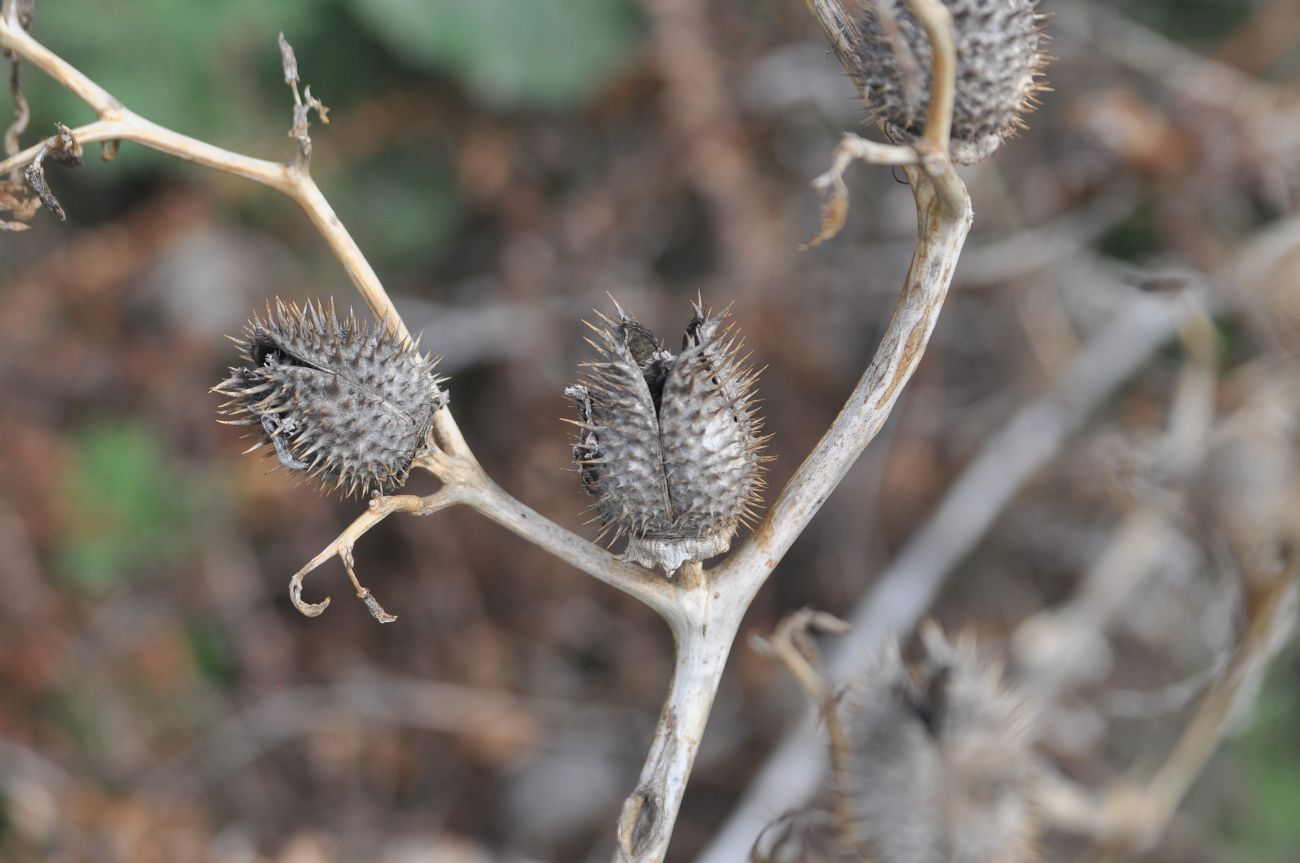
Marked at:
<point>652,589</point>
<point>1049,644</point>
<point>380,508</point>
<point>792,644</point>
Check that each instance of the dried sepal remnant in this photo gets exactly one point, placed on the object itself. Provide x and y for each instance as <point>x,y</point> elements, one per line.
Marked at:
<point>63,148</point>
<point>940,765</point>
<point>1000,61</point>
<point>343,401</point>
<point>669,445</point>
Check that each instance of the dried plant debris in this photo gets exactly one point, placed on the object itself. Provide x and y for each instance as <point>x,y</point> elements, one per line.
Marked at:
<point>1000,60</point>
<point>17,201</point>
<point>63,148</point>
<point>669,445</point>
<point>22,112</point>
<point>940,764</point>
<point>345,402</point>
<point>303,103</point>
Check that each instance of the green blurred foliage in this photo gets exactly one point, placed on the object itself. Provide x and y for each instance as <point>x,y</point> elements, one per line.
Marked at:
<point>1136,238</point>
<point>1269,759</point>
<point>199,68</point>
<point>212,70</point>
<point>211,651</point>
<point>412,202</point>
<point>122,507</point>
<point>541,54</point>
<point>1192,20</point>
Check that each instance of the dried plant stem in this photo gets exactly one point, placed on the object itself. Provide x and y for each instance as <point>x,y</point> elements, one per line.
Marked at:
<point>903,592</point>
<point>792,644</point>
<point>1134,815</point>
<point>117,123</point>
<point>703,609</point>
<point>940,235</point>
<point>704,631</point>
<point>1270,616</point>
<point>943,221</point>
<point>649,587</point>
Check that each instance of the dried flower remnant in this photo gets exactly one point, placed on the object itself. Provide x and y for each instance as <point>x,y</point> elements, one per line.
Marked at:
<point>669,445</point>
<point>940,764</point>
<point>63,148</point>
<point>345,402</point>
<point>999,64</point>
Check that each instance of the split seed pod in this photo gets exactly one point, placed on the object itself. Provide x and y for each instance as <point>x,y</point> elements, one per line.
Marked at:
<point>669,445</point>
<point>344,402</point>
<point>999,60</point>
<point>940,766</point>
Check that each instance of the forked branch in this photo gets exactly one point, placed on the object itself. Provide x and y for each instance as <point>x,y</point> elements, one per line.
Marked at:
<point>704,609</point>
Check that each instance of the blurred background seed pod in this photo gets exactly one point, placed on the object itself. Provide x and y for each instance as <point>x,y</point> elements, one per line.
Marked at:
<point>940,761</point>
<point>345,402</point>
<point>999,61</point>
<point>669,445</point>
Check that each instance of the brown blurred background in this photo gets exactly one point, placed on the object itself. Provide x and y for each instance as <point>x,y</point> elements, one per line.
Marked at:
<point>505,164</point>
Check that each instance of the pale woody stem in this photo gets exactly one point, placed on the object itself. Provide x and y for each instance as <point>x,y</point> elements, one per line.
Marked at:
<point>703,609</point>
<point>705,632</point>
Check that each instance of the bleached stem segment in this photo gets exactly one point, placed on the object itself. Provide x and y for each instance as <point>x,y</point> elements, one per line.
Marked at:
<point>654,590</point>
<point>941,235</point>
<point>704,631</point>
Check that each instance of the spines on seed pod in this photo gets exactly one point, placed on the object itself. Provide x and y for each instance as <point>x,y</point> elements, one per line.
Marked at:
<point>345,402</point>
<point>1000,59</point>
<point>669,446</point>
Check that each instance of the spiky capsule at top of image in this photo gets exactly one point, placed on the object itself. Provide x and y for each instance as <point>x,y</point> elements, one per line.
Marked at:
<point>669,445</point>
<point>345,402</point>
<point>941,763</point>
<point>999,46</point>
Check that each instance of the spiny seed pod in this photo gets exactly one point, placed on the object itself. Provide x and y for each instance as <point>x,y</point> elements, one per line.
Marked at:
<point>345,402</point>
<point>668,445</point>
<point>940,765</point>
<point>999,59</point>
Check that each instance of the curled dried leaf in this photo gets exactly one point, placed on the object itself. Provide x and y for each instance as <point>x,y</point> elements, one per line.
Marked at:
<point>63,148</point>
<point>835,210</point>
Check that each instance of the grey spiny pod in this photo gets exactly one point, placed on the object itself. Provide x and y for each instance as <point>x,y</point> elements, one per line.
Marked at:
<point>940,767</point>
<point>669,445</point>
<point>999,61</point>
<point>345,401</point>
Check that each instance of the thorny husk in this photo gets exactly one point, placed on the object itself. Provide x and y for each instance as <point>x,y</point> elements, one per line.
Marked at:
<point>670,445</point>
<point>344,402</point>
<point>941,761</point>
<point>999,62</point>
<point>938,765</point>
